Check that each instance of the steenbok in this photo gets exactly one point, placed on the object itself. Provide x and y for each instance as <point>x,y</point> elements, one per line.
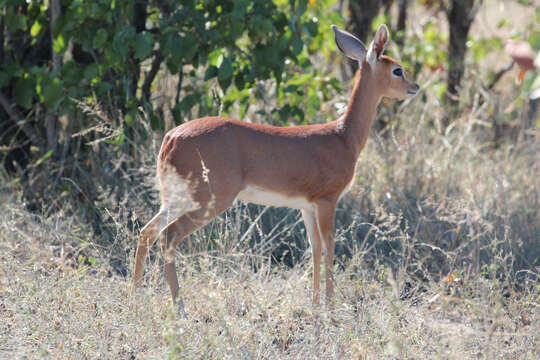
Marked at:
<point>214,161</point>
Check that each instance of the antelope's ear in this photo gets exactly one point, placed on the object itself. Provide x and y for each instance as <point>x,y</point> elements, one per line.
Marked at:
<point>349,44</point>
<point>378,45</point>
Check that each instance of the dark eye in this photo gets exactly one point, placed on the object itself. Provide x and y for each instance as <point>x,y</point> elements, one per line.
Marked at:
<point>398,72</point>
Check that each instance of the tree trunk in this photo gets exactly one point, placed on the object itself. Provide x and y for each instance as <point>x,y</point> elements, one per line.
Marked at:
<point>150,76</point>
<point>139,23</point>
<point>460,17</point>
<point>401,21</point>
<point>51,120</point>
<point>362,13</point>
<point>2,36</point>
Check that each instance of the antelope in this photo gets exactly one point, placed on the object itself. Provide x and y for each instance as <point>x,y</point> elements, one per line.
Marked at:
<point>217,160</point>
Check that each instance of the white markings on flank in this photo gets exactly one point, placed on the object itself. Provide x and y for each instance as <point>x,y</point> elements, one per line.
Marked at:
<point>176,197</point>
<point>257,195</point>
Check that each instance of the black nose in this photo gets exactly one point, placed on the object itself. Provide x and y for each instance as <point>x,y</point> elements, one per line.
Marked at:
<point>416,87</point>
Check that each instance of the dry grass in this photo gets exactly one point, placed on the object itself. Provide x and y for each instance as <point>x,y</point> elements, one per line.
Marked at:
<point>429,269</point>
<point>437,259</point>
<point>437,256</point>
<point>61,308</point>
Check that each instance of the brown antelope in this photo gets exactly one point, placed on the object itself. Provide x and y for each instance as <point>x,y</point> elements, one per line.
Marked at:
<point>216,160</point>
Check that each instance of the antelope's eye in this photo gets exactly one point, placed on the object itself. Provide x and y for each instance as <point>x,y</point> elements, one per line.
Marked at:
<point>398,72</point>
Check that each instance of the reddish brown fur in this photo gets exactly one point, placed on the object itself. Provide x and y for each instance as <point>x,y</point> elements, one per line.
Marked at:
<point>313,162</point>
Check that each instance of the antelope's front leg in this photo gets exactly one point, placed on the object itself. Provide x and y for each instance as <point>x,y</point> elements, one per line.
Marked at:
<point>314,238</point>
<point>325,219</point>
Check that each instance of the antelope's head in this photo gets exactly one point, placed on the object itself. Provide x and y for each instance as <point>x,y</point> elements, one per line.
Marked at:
<point>390,79</point>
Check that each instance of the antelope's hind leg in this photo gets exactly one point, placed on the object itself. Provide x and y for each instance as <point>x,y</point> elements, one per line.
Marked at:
<point>170,234</point>
<point>173,234</point>
<point>171,237</point>
<point>147,238</point>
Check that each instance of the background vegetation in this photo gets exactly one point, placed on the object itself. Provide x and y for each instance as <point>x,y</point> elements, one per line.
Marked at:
<point>437,243</point>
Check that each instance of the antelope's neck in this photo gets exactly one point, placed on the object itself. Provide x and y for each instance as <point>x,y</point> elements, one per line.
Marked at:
<point>358,118</point>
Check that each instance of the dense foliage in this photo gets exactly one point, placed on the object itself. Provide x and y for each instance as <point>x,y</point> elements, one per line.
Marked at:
<point>112,52</point>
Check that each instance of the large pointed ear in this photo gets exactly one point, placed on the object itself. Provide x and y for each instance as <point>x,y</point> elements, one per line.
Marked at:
<point>378,45</point>
<point>349,44</point>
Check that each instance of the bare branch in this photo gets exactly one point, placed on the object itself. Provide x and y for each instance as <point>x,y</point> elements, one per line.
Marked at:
<point>25,127</point>
<point>151,75</point>
<point>499,74</point>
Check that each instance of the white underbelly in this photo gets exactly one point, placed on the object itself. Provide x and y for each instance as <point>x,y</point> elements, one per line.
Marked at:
<point>256,195</point>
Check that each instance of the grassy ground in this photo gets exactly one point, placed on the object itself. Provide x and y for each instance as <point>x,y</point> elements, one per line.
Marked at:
<point>54,306</point>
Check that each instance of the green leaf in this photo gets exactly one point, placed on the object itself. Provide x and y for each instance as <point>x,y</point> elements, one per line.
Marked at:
<point>171,48</point>
<point>173,65</point>
<point>225,73</point>
<point>284,113</point>
<point>14,21</point>
<point>240,80</point>
<point>103,86</point>
<point>156,122</point>
<point>120,43</point>
<point>239,10</point>
<point>177,115</point>
<point>534,40</point>
<point>169,45</point>
<point>278,72</point>
<point>35,29</point>
<point>535,83</point>
<point>290,88</point>
<point>12,67</point>
<point>440,89</point>
<point>301,80</point>
<point>211,72</point>
<point>312,27</point>
<point>188,102</point>
<point>44,157</point>
<point>130,117</point>
<point>189,46</point>
<point>91,71</point>
<point>301,7</point>
<point>93,261</point>
<point>313,100</point>
<point>4,79</point>
<point>143,45</point>
<point>297,45</point>
<point>53,93</point>
<point>59,44</point>
<point>265,26</point>
<point>430,34</point>
<point>335,84</point>
<point>99,40</point>
<point>70,74</point>
<point>24,92</point>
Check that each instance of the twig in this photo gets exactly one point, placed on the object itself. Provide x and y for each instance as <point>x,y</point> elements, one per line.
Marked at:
<point>150,76</point>
<point>179,87</point>
<point>499,74</point>
<point>67,140</point>
<point>26,128</point>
